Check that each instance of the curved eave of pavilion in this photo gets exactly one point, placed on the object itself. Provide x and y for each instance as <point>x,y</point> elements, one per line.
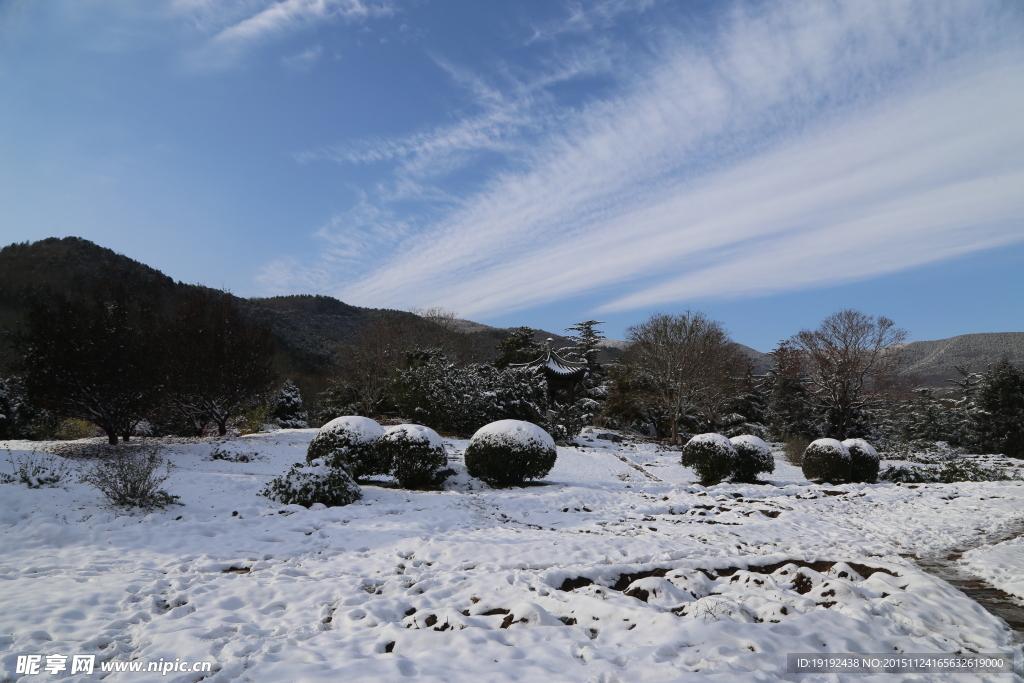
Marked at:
<point>552,362</point>
<point>564,368</point>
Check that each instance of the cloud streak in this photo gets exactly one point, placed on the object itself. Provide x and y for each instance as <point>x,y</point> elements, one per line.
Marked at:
<point>229,29</point>
<point>285,15</point>
<point>806,144</point>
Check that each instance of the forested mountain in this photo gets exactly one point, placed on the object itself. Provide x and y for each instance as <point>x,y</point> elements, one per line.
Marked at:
<point>308,329</point>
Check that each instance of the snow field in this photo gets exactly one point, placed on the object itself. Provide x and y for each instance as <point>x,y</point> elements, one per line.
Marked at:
<point>618,568</point>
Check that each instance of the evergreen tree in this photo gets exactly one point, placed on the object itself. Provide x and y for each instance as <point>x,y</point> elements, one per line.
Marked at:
<point>745,413</point>
<point>518,347</point>
<point>927,417</point>
<point>15,413</point>
<point>789,403</point>
<point>584,344</point>
<point>998,415</point>
<point>287,407</point>
<point>439,394</point>
<point>585,349</point>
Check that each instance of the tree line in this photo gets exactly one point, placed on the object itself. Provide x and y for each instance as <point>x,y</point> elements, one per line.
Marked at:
<point>116,358</point>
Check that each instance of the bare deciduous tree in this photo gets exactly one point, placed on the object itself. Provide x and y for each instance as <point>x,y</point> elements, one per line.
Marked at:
<point>688,362</point>
<point>443,333</point>
<point>217,363</point>
<point>92,356</point>
<point>849,360</point>
<point>368,365</point>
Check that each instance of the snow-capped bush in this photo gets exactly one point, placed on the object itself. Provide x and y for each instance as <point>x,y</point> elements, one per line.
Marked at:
<point>316,482</point>
<point>417,453</point>
<point>753,456</point>
<point>711,456</point>
<point>827,460</point>
<point>508,452</point>
<point>350,442</point>
<point>863,461</point>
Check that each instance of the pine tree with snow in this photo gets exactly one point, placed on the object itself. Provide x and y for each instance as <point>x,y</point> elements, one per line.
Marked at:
<point>789,405</point>
<point>15,413</point>
<point>593,389</point>
<point>518,346</point>
<point>998,410</point>
<point>287,407</point>
<point>6,411</point>
<point>585,343</point>
<point>927,417</point>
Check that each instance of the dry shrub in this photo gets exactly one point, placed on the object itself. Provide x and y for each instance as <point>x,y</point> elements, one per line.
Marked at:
<point>36,470</point>
<point>793,449</point>
<point>131,477</point>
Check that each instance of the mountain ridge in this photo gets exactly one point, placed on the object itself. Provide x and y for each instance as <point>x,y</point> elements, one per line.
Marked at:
<point>308,328</point>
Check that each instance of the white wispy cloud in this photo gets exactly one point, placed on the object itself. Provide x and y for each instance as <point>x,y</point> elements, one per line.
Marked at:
<point>799,144</point>
<point>505,109</point>
<point>304,61</point>
<point>228,29</point>
<point>285,15</point>
<point>584,17</point>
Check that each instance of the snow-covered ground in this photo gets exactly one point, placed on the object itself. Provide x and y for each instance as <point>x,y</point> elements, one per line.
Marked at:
<point>617,568</point>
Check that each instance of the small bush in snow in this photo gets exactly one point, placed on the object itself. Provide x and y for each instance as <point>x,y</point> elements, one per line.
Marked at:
<point>131,476</point>
<point>417,453</point>
<point>219,453</point>
<point>863,461</point>
<point>793,449</point>
<point>316,482</point>
<point>350,442</point>
<point>908,475</point>
<point>35,470</point>
<point>711,456</point>
<point>827,460</point>
<point>951,472</point>
<point>753,456</point>
<point>508,452</point>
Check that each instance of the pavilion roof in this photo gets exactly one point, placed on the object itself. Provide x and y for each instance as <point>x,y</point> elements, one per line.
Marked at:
<point>554,363</point>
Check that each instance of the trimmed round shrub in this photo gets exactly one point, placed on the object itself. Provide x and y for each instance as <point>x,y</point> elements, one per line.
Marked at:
<point>417,454</point>
<point>316,482</point>
<point>350,442</point>
<point>827,460</point>
<point>753,456</point>
<point>711,456</point>
<point>508,452</point>
<point>864,461</point>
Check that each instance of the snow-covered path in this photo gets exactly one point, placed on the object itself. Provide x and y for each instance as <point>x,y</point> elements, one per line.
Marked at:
<point>603,573</point>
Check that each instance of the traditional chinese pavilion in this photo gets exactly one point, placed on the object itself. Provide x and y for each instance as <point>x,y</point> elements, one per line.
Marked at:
<point>561,374</point>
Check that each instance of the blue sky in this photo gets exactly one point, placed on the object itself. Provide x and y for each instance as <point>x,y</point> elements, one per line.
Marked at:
<point>536,163</point>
